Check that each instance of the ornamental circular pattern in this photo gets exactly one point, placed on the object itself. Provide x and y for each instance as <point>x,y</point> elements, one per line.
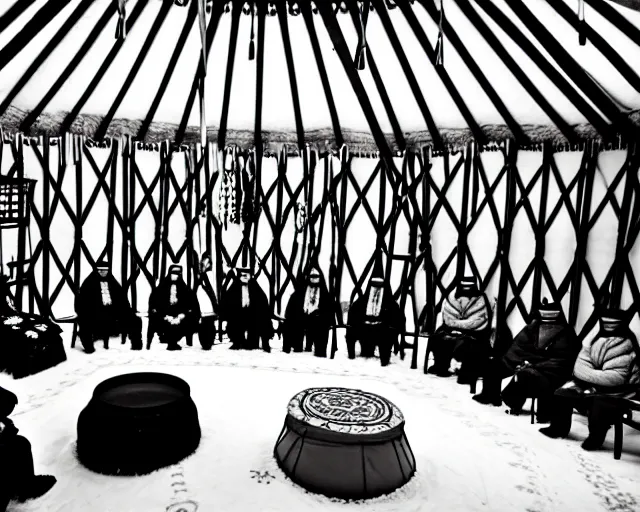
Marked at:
<point>345,410</point>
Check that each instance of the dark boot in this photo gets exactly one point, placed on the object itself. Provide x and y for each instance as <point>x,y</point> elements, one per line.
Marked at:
<point>488,399</point>
<point>351,349</point>
<point>34,487</point>
<point>594,441</point>
<point>439,371</point>
<point>173,346</point>
<point>554,432</point>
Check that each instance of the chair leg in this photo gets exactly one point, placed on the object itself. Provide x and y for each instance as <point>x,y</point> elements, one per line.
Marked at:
<point>414,355</point>
<point>74,335</point>
<point>190,340</point>
<point>123,336</point>
<point>426,355</point>
<point>533,411</point>
<point>617,440</point>
<point>472,386</point>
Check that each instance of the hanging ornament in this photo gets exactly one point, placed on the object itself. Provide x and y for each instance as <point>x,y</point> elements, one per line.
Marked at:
<point>363,15</point>
<point>252,46</point>
<point>440,43</point>
<point>121,27</point>
<point>582,24</point>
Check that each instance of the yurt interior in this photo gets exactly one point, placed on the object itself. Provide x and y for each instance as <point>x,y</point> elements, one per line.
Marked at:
<point>356,255</point>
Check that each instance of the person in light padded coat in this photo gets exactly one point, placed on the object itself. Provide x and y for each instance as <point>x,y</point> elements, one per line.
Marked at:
<point>608,364</point>
<point>464,333</point>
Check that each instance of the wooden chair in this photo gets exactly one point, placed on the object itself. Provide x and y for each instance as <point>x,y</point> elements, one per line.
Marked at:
<point>73,319</point>
<point>629,406</point>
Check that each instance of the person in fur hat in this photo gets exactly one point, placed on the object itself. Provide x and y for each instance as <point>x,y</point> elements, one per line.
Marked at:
<point>375,320</point>
<point>29,343</point>
<point>310,315</point>
<point>18,480</point>
<point>104,311</point>
<point>245,308</point>
<point>608,365</point>
<point>174,312</point>
<point>540,360</point>
<point>464,333</point>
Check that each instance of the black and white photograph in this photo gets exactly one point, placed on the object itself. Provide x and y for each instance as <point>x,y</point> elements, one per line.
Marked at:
<point>319,255</point>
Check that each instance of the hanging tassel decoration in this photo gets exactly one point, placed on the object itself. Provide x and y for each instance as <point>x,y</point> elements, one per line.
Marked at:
<point>440,43</point>
<point>121,27</point>
<point>363,16</point>
<point>582,24</point>
<point>252,46</point>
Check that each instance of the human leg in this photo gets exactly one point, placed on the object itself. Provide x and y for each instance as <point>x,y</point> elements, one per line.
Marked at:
<point>320,340</point>
<point>494,371</point>
<point>602,414</point>
<point>132,327</point>
<point>86,334</point>
<point>442,350</point>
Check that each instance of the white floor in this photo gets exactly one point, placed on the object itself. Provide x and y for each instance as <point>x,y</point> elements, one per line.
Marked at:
<point>469,457</point>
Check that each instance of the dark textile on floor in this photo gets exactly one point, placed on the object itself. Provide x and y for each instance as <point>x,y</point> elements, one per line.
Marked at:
<point>29,343</point>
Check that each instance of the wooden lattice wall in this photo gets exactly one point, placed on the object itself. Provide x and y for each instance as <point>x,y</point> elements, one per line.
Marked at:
<point>528,223</point>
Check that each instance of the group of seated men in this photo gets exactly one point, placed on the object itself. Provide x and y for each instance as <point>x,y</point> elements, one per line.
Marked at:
<point>103,310</point>
<point>546,361</point>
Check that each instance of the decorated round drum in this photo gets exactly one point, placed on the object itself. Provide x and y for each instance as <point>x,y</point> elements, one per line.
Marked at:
<point>345,410</point>
<point>344,443</point>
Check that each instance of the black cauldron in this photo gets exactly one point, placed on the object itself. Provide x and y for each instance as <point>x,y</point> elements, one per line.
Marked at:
<point>137,423</point>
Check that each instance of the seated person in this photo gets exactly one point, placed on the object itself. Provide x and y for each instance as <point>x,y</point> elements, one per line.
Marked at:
<point>540,359</point>
<point>174,312</point>
<point>310,314</point>
<point>375,320</point>
<point>245,308</point>
<point>607,365</point>
<point>17,478</point>
<point>104,311</point>
<point>464,333</point>
<point>29,343</point>
<point>206,297</point>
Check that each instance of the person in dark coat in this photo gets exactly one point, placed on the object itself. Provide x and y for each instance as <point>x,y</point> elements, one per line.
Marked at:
<point>205,296</point>
<point>29,343</point>
<point>608,365</point>
<point>375,320</point>
<point>245,308</point>
<point>18,480</point>
<point>104,311</point>
<point>174,312</point>
<point>310,314</point>
<point>540,360</point>
<point>464,333</point>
